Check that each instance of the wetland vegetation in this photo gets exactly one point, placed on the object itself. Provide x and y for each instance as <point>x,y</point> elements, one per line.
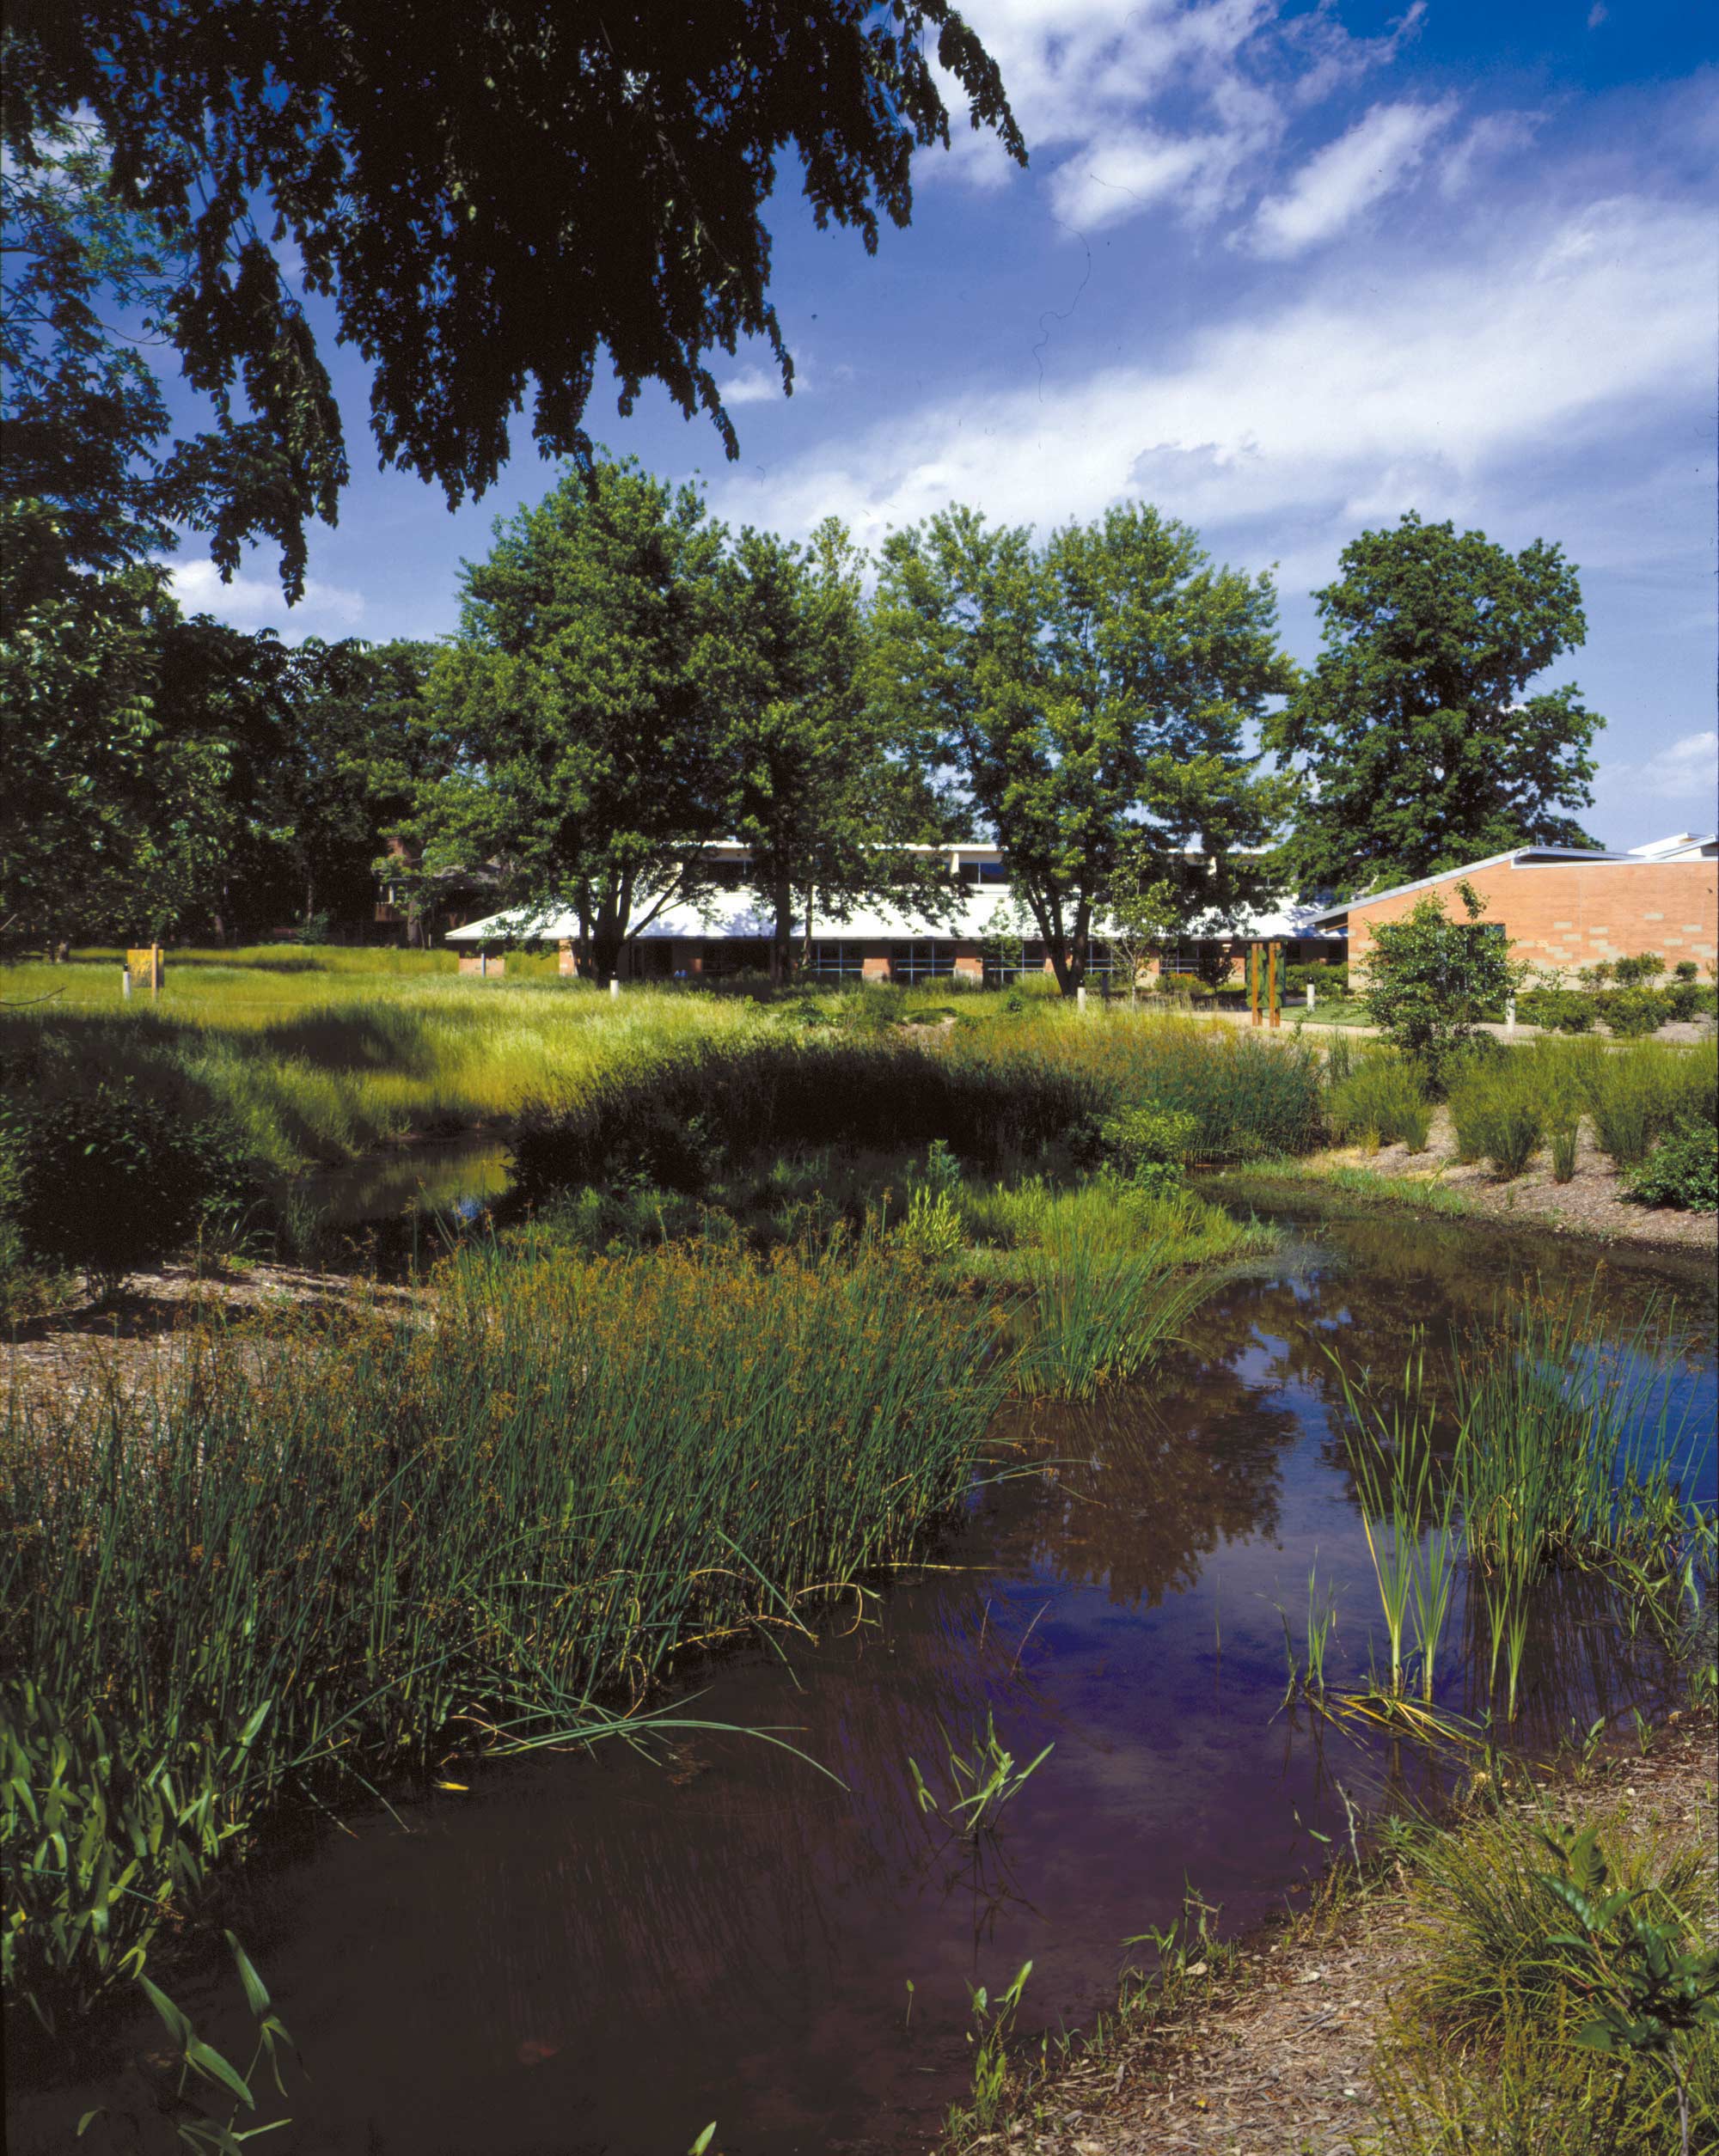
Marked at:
<point>787,1297</point>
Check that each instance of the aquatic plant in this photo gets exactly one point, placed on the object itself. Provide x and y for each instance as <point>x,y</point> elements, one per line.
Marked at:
<point>312,1564</point>
<point>983,1779</point>
<point>1382,1095</point>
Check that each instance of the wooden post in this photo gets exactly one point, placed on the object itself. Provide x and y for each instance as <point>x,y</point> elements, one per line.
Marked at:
<point>1253,983</point>
<point>1272,950</point>
<point>147,962</point>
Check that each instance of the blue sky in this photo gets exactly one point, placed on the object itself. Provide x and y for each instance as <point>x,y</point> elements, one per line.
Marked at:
<point>1285,271</point>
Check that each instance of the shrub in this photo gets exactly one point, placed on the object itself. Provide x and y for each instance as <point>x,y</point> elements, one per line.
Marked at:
<point>1187,985</point>
<point>1558,1009</point>
<point>1499,1116</point>
<point>1682,1171</point>
<point>1685,969</point>
<point>1382,1096</point>
<point>112,1181</point>
<point>1326,981</point>
<point>1431,981</point>
<point>1137,1137</point>
<point>1564,1136</point>
<point>1691,998</point>
<point>1640,972</point>
<point>1633,1012</point>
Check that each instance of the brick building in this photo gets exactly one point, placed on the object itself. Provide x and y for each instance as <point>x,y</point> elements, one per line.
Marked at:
<point>1563,909</point>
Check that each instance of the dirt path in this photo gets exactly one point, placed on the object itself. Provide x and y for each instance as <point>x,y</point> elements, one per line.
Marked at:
<point>1270,2054</point>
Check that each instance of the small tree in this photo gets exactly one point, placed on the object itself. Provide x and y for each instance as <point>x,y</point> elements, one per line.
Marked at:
<point>1137,912</point>
<point>1431,980</point>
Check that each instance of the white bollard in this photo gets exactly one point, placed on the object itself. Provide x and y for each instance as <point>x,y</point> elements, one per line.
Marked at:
<point>1510,1014</point>
<point>125,982</point>
<point>1310,995</point>
<point>614,984</point>
<point>1081,996</point>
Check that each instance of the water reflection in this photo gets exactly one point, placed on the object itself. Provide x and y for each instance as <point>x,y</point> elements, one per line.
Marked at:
<point>605,1952</point>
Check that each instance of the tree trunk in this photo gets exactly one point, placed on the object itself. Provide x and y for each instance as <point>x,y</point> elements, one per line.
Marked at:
<point>782,941</point>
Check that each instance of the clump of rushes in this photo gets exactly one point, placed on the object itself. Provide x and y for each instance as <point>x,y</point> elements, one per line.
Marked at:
<point>1636,1094</point>
<point>1250,1095</point>
<point>1499,1111</point>
<point>389,1544</point>
<point>1382,1097</point>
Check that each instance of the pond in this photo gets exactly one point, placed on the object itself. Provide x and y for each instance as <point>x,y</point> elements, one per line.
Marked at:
<point>605,1951</point>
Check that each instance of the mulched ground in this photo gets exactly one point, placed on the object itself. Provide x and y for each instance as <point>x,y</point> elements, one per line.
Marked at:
<point>127,1343</point>
<point>1593,1203</point>
<point>1272,2057</point>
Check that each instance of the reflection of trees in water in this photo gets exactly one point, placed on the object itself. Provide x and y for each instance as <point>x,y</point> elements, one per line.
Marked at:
<point>1580,1663</point>
<point>733,1920</point>
<point>1142,1490</point>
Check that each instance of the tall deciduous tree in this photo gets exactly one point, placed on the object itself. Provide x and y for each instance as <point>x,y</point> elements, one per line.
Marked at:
<point>1420,745</point>
<point>1084,695</point>
<point>573,703</point>
<point>805,772</point>
<point>491,198</point>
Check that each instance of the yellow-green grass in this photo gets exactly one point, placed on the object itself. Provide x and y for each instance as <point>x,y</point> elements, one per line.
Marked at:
<point>319,1054</point>
<point>1484,2049</point>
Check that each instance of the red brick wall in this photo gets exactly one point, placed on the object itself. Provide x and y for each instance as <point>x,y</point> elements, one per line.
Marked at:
<point>1571,913</point>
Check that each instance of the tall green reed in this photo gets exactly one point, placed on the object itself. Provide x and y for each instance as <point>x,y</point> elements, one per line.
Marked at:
<point>316,1564</point>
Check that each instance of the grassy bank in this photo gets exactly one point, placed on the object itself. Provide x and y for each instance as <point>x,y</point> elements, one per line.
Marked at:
<point>311,1565</point>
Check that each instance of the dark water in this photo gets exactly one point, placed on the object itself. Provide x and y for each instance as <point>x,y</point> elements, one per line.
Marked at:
<point>605,1952</point>
<point>377,1188</point>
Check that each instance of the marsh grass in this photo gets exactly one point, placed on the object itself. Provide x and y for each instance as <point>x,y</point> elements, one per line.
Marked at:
<point>1485,2048</point>
<point>299,1570</point>
<point>1380,1097</point>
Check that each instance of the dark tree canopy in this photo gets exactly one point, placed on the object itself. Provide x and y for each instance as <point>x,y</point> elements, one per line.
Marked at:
<point>1422,749</point>
<point>91,289</point>
<point>492,196</point>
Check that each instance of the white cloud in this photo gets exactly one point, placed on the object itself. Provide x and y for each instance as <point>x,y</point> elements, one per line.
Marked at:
<point>1174,102</point>
<point>1685,770</point>
<point>255,603</point>
<point>752,385</point>
<point>1391,384</point>
<point>1596,15</point>
<point>1492,136</point>
<point>1345,178</point>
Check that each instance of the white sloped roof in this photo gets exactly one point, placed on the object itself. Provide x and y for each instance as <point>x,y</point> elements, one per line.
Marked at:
<point>737,916</point>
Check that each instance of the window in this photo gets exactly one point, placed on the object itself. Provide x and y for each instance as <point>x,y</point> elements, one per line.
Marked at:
<point>729,871</point>
<point>736,954</point>
<point>921,961</point>
<point>837,961</point>
<point>1008,958</point>
<point>984,872</point>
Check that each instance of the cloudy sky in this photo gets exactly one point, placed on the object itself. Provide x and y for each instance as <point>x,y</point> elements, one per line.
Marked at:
<point>1287,270</point>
